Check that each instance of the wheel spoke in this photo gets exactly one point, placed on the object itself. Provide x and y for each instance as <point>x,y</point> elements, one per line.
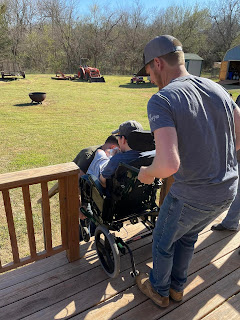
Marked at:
<point>110,262</point>
<point>107,251</point>
<point>100,246</point>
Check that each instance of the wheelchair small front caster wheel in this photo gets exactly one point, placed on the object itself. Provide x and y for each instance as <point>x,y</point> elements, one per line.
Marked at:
<point>134,220</point>
<point>134,274</point>
<point>107,251</point>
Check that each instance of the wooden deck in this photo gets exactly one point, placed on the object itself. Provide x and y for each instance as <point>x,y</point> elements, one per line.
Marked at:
<point>55,289</point>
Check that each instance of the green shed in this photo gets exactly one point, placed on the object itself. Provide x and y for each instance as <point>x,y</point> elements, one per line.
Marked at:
<point>193,63</point>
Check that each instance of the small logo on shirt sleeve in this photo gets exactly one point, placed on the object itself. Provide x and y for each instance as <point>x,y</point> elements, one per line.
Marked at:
<point>153,118</point>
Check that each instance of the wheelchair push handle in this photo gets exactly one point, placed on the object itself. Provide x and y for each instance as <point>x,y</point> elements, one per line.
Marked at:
<point>135,171</point>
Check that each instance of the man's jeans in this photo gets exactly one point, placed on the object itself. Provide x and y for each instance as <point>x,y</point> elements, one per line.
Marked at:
<point>232,218</point>
<point>174,236</point>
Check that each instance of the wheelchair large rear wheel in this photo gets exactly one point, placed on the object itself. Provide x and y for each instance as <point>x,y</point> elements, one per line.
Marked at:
<point>107,251</point>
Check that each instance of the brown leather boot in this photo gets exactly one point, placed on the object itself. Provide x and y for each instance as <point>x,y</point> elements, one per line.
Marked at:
<point>176,295</point>
<point>145,286</point>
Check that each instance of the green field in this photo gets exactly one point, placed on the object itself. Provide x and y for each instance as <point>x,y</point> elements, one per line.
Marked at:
<point>74,115</point>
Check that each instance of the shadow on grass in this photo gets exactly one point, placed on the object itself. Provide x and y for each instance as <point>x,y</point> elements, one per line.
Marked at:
<point>79,80</point>
<point>29,104</point>
<point>138,86</point>
<point>231,86</point>
<point>8,79</point>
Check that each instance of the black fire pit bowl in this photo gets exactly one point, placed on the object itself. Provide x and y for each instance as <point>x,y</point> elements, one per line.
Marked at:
<point>37,96</point>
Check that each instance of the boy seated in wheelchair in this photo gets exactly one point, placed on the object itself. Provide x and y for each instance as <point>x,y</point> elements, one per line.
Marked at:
<point>103,191</point>
<point>104,165</point>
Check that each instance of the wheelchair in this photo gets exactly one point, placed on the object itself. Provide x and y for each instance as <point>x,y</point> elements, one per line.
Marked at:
<point>124,199</point>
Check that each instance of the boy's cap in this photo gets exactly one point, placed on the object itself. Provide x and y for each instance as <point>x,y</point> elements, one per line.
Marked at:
<point>158,47</point>
<point>127,127</point>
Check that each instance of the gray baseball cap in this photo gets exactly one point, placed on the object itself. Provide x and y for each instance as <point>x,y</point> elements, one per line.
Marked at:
<point>127,127</point>
<point>157,47</point>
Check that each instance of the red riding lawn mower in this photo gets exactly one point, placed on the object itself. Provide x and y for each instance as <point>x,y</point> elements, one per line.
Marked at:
<point>137,79</point>
<point>88,73</point>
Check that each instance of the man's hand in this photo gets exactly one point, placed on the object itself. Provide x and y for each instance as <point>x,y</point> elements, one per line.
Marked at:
<point>144,177</point>
<point>111,152</point>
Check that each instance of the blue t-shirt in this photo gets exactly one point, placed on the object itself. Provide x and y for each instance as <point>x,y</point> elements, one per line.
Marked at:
<point>124,157</point>
<point>201,111</point>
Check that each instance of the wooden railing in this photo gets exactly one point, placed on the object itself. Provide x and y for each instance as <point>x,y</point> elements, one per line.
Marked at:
<point>67,176</point>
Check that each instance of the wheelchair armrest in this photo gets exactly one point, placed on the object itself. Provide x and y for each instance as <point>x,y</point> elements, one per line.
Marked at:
<point>89,186</point>
<point>97,193</point>
<point>96,183</point>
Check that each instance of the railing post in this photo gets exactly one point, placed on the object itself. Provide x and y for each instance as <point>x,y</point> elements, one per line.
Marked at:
<point>73,252</point>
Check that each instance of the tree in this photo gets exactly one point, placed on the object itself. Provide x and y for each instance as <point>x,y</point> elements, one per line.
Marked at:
<point>4,38</point>
<point>19,15</point>
<point>225,26</point>
<point>188,24</point>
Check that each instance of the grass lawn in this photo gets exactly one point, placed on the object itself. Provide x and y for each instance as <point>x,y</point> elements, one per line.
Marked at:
<point>74,115</point>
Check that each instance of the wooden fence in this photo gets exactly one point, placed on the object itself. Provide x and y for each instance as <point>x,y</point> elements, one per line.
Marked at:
<point>67,176</point>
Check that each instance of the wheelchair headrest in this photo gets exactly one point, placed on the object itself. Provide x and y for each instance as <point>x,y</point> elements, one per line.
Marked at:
<point>141,140</point>
<point>145,159</point>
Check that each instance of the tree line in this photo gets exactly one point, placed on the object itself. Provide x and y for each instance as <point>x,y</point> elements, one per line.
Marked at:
<point>50,35</point>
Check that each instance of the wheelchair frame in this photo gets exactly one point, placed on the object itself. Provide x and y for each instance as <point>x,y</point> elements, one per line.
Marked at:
<point>125,198</point>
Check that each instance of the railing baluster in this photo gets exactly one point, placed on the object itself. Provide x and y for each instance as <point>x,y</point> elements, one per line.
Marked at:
<point>63,210</point>
<point>46,217</point>
<point>11,228</point>
<point>29,220</point>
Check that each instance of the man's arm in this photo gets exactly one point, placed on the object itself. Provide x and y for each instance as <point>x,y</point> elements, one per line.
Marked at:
<point>166,161</point>
<point>237,126</point>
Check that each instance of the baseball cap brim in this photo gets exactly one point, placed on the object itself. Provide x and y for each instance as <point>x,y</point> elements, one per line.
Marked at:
<point>142,72</point>
<point>115,131</point>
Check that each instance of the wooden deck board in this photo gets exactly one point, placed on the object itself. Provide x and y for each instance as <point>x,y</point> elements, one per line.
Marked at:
<point>55,289</point>
<point>227,310</point>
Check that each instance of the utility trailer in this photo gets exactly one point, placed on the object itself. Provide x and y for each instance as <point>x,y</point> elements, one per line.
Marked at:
<point>11,69</point>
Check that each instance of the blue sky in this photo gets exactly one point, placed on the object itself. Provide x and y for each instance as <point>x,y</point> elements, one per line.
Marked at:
<point>84,5</point>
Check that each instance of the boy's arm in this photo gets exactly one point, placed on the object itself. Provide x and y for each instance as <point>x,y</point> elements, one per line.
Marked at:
<point>102,181</point>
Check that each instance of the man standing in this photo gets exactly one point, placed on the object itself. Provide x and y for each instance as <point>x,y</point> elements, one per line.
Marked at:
<point>196,127</point>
